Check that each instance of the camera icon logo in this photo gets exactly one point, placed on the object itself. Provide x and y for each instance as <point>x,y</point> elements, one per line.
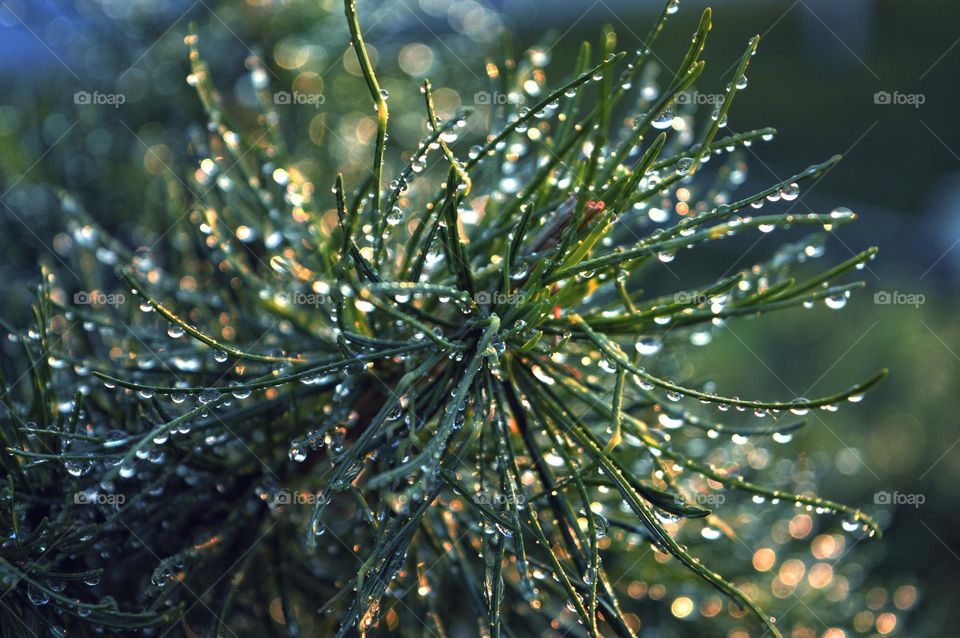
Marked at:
<point>481,97</point>
<point>82,97</point>
<point>483,297</point>
<point>282,97</point>
<point>690,298</point>
<point>882,297</point>
<point>81,298</point>
<point>282,497</point>
<point>882,97</point>
<point>882,498</point>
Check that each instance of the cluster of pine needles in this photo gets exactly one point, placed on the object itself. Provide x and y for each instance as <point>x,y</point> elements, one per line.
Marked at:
<point>302,405</point>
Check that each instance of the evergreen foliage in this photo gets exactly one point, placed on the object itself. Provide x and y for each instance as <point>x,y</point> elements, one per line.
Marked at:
<point>303,405</point>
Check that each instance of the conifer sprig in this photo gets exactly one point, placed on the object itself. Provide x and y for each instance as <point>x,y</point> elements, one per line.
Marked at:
<point>454,382</point>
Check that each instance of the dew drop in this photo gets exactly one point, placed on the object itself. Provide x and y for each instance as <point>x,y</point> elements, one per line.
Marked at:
<point>238,392</point>
<point>590,576</point>
<point>209,395</point>
<point>76,468</point>
<point>666,517</point>
<point>37,596</point>
<point>648,346</point>
<point>790,192</point>
<point>664,120</point>
<point>836,302</point>
<point>684,165</point>
<point>395,216</point>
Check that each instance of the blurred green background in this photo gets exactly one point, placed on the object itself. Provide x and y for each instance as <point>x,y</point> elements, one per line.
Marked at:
<point>816,79</point>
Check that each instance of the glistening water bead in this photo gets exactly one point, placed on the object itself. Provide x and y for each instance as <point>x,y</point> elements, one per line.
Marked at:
<point>648,346</point>
<point>790,192</point>
<point>395,216</point>
<point>77,468</point>
<point>297,453</point>
<point>237,391</point>
<point>836,302</point>
<point>663,120</point>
